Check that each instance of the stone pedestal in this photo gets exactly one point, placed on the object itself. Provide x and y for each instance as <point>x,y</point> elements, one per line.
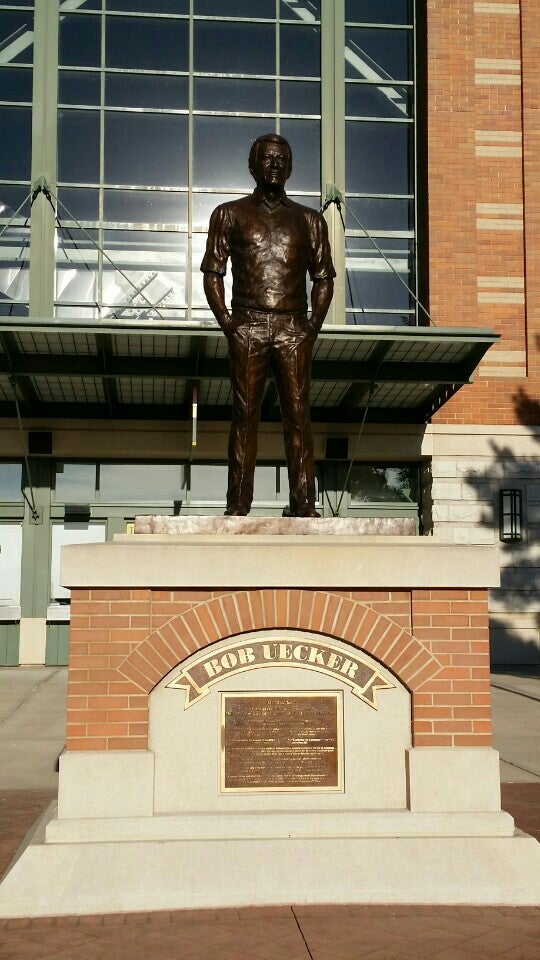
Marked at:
<point>266,719</point>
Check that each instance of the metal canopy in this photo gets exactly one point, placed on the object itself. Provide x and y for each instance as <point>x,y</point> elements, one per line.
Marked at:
<point>121,369</point>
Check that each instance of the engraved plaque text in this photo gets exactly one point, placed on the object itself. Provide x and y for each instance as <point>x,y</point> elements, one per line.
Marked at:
<point>281,741</point>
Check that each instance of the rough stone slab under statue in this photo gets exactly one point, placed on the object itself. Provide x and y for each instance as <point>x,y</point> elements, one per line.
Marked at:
<point>280,526</point>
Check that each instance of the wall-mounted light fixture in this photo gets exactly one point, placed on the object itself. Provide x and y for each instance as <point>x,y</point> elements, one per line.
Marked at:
<point>510,515</point>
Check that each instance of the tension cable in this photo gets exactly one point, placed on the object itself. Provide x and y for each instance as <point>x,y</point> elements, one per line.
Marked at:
<point>42,187</point>
<point>336,197</point>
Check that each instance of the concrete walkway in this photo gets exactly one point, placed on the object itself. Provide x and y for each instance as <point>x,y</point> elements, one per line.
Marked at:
<point>32,726</point>
<point>282,933</point>
<point>516,723</point>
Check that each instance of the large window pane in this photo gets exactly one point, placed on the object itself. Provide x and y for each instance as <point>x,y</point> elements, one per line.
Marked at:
<point>78,146</point>
<point>221,148</point>
<point>16,127</point>
<point>133,90</point>
<point>77,203</point>
<point>80,40</point>
<point>383,11</point>
<point>208,482</point>
<point>146,44</point>
<point>16,37</point>
<point>301,97</point>
<point>377,484</point>
<point>378,157</point>
<point>141,482</point>
<point>149,6</point>
<point>204,203</point>
<point>63,534</point>
<point>10,481</point>
<point>12,309</point>
<point>16,84</point>
<point>377,54</point>
<point>367,100</point>
<point>235,8</point>
<point>372,282</point>
<point>376,214</point>
<point>271,482</point>
<point>248,96</point>
<point>76,273</point>
<point>364,317</point>
<point>75,482</point>
<point>198,296</point>
<point>148,269</point>
<point>11,197</point>
<point>234,47</point>
<point>304,137</point>
<point>10,564</point>
<point>300,51</point>
<point>146,149</point>
<point>14,257</point>
<point>78,87</point>
<point>307,10</point>
<point>145,206</point>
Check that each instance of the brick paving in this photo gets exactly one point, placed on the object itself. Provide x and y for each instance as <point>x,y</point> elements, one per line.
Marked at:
<point>348,932</point>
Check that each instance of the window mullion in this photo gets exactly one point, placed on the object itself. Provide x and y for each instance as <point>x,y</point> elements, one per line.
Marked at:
<point>333,138</point>
<point>42,224</point>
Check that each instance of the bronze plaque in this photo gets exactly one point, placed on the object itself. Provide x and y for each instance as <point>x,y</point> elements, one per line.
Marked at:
<point>281,741</point>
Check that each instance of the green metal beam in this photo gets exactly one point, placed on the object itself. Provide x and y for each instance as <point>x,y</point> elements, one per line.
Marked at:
<point>189,368</point>
<point>168,412</point>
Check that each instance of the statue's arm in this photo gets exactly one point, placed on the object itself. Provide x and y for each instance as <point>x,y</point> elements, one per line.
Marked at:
<point>214,288</point>
<point>214,264</point>
<point>321,298</point>
<point>321,271</point>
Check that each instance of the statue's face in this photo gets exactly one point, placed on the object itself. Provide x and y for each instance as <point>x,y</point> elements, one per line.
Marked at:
<point>272,165</point>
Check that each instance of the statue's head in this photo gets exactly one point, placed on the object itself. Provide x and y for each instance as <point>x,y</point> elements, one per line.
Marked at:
<point>270,161</point>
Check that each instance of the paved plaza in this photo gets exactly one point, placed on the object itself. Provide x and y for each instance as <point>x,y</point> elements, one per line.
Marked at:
<point>32,704</point>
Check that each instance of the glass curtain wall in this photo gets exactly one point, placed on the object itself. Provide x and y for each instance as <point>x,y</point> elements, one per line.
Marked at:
<point>158,105</point>
<point>380,167</point>
<point>158,102</point>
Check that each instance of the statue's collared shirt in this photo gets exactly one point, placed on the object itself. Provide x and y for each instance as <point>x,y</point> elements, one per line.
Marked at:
<point>272,247</point>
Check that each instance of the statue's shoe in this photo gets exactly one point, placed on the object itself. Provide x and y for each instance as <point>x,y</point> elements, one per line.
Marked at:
<point>308,510</point>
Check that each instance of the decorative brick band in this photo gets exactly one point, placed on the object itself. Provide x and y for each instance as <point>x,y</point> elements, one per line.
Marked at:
<point>315,611</point>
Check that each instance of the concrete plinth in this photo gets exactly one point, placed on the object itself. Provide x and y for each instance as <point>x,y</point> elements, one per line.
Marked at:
<point>149,874</point>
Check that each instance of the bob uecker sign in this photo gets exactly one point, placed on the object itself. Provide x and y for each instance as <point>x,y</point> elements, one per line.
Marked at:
<point>212,667</point>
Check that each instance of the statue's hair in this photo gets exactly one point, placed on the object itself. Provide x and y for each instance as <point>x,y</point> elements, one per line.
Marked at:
<point>268,138</point>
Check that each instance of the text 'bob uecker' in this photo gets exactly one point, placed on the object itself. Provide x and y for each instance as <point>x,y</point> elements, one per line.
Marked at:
<point>210,667</point>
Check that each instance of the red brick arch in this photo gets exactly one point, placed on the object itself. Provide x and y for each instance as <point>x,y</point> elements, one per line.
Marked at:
<point>252,610</point>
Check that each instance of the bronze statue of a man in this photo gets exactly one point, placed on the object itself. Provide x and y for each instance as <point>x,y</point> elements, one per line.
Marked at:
<point>273,244</point>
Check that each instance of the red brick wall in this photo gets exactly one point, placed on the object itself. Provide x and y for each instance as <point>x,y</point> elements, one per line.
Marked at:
<point>123,642</point>
<point>484,150</point>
